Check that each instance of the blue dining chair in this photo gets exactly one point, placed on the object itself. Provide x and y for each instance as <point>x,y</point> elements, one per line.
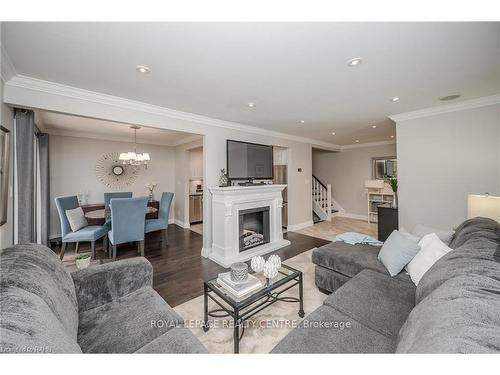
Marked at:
<point>153,225</point>
<point>107,199</point>
<point>128,216</point>
<point>89,233</point>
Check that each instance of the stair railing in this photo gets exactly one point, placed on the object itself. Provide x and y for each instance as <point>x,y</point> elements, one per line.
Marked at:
<point>322,195</point>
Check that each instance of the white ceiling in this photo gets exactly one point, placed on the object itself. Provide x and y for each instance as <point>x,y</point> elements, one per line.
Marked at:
<point>292,71</point>
<point>68,125</point>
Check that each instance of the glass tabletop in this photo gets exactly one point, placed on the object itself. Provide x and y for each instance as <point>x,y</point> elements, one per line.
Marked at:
<point>285,274</point>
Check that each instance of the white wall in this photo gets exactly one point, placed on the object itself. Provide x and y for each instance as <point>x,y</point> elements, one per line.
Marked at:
<point>441,159</point>
<point>347,171</point>
<point>72,162</point>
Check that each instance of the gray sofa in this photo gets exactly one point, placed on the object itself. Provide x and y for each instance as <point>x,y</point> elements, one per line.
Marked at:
<point>103,309</point>
<point>454,309</point>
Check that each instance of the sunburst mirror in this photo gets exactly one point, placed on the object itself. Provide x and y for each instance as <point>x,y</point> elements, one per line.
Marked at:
<point>112,173</point>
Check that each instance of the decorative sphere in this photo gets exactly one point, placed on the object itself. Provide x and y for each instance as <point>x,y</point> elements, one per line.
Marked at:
<point>270,271</point>
<point>257,264</point>
<point>275,261</point>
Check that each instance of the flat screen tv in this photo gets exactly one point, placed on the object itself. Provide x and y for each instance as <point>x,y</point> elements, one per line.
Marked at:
<point>249,161</point>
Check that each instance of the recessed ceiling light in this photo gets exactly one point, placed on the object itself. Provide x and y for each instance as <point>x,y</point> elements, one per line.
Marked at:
<point>374,126</point>
<point>354,62</point>
<point>333,133</point>
<point>143,69</point>
<point>450,97</point>
<point>302,121</point>
<point>395,99</point>
<point>392,136</point>
<point>251,104</point>
<point>357,141</point>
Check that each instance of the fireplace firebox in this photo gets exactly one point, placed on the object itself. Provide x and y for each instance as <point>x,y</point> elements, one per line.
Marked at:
<point>254,227</point>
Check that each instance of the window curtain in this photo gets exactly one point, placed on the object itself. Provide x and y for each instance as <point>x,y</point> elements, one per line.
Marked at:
<point>43,185</point>
<point>24,126</point>
<point>32,179</point>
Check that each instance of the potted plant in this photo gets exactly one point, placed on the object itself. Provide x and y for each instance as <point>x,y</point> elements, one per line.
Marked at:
<point>83,261</point>
<point>394,186</point>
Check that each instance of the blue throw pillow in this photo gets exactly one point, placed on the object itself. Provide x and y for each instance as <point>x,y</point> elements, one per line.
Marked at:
<point>398,250</point>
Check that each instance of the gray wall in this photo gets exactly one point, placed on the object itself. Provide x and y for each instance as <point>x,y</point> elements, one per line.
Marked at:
<point>443,158</point>
<point>347,171</point>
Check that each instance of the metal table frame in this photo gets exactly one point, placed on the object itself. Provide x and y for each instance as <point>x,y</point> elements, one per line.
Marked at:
<point>253,304</point>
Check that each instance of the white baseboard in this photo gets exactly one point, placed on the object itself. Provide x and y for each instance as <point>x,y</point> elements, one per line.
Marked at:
<point>206,251</point>
<point>299,226</point>
<point>351,216</point>
<point>181,224</point>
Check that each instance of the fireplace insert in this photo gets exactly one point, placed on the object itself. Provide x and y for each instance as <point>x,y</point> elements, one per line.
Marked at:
<point>254,227</point>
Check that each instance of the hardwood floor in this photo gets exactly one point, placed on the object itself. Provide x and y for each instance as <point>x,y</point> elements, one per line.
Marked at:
<point>180,270</point>
<point>328,230</point>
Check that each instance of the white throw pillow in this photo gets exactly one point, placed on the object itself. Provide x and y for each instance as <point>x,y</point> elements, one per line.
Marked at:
<point>444,235</point>
<point>431,250</point>
<point>76,219</point>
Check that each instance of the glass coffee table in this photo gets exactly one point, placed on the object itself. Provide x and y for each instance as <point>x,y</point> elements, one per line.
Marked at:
<point>243,308</point>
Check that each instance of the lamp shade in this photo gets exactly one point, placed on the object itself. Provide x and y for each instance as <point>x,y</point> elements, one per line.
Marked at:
<point>484,206</point>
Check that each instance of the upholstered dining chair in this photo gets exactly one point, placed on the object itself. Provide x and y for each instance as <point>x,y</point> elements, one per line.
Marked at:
<point>128,216</point>
<point>109,196</point>
<point>90,233</point>
<point>153,225</point>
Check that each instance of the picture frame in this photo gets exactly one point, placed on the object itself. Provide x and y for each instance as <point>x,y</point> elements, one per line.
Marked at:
<point>4,172</point>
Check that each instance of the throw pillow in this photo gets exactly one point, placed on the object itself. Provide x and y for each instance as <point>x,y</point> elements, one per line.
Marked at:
<point>444,235</point>
<point>76,219</point>
<point>398,250</point>
<point>431,250</point>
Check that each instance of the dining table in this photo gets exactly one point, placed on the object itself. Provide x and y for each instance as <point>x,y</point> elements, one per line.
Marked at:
<point>96,214</point>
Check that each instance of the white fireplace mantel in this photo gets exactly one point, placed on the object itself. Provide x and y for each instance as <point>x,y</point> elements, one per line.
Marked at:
<point>226,204</point>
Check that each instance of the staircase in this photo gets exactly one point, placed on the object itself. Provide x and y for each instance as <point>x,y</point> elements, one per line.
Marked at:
<point>323,206</point>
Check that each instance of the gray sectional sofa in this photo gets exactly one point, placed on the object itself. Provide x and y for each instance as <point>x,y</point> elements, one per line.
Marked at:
<point>454,309</point>
<point>103,309</point>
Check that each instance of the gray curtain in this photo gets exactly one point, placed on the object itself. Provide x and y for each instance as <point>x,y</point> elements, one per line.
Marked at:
<point>24,130</point>
<point>43,157</point>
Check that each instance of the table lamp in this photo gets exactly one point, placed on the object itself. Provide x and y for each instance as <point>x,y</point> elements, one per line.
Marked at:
<point>483,205</point>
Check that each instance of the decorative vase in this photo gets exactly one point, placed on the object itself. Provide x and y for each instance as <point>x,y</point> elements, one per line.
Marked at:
<point>223,178</point>
<point>83,263</point>
<point>239,272</point>
<point>257,264</point>
<point>395,201</point>
<point>151,196</point>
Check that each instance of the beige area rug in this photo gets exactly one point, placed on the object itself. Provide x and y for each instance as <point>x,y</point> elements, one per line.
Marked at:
<point>257,338</point>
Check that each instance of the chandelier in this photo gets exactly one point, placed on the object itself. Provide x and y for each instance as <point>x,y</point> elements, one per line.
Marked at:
<point>132,157</point>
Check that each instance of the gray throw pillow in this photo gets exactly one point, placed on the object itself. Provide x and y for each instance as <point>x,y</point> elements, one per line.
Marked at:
<point>398,250</point>
<point>443,235</point>
<point>76,219</point>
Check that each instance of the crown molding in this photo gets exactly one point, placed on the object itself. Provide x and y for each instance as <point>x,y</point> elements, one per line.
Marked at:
<point>34,84</point>
<point>188,139</point>
<point>432,111</point>
<point>368,144</point>
<point>7,70</point>
<point>112,138</point>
